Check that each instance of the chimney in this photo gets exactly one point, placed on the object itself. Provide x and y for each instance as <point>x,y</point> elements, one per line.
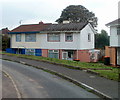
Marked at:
<point>41,22</point>
<point>66,21</point>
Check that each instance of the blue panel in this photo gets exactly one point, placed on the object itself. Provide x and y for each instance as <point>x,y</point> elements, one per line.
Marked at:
<point>38,52</point>
<point>11,50</point>
<point>23,32</point>
<point>23,51</point>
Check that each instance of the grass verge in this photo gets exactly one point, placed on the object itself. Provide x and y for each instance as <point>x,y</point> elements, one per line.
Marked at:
<point>103,70</point>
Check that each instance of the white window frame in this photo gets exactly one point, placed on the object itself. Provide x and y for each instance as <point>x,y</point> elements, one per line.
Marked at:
<point>29,39</point>
<point>51,37</point>
<point>89,37</point>
<point>18,37</point>
<point>53,51</point>
<point>118,30</point>
<point>68,34</point>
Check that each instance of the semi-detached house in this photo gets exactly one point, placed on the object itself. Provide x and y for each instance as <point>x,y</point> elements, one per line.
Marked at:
<point>70,41</point>
<point>113,51</point>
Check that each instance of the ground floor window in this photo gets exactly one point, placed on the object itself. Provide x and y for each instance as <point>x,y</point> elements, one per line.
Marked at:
<point>68,54</point>
<point>18,51</point>
<point>53,54</point>
<point>30,51</point>
<point>118,56</point>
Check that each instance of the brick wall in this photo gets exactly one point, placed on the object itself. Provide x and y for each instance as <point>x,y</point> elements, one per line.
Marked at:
<point>44,52</point>
<point>84,55</point>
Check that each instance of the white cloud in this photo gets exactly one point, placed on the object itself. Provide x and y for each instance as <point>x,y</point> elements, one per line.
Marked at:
<point>33,11</point>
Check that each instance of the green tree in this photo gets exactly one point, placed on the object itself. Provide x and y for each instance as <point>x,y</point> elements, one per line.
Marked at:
<point>102,39</point>
<point>5,42</point>
<point>78,13</point>
<point>0,41</point>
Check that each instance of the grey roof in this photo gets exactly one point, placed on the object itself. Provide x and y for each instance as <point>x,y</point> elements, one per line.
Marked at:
<point>115,22</point>
<point>65,27</point>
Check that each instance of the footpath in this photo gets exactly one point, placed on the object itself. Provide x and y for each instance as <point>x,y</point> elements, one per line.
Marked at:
<point>8,89</point>
<point>99,85</point>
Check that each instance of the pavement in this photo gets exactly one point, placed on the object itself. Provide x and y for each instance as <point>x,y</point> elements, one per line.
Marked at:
<point>100,85</point>
<point>8,89</point>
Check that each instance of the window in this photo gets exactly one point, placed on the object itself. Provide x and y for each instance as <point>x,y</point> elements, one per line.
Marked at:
<point>30,51</point>
<point>53,37</point>
<point>18,37</point>
<point>68,37</point>
<point>53,54</point>
<point>89,37</point>
<point>118,30</point>
<point>30,37</point>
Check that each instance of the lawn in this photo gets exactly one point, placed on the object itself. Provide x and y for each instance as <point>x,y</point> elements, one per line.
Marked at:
<point>103,70</point>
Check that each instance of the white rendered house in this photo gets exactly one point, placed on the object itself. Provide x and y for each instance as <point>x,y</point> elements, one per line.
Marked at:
<point>113,51</point>
<point>63,41</point>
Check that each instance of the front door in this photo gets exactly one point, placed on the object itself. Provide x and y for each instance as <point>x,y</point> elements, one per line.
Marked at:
<point>118,56</point>
<point>64,55</point>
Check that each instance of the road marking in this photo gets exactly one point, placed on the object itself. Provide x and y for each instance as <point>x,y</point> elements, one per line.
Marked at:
<point>15,86</point>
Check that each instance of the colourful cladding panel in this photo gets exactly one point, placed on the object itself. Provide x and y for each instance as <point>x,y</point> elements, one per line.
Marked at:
<point>38,52</point>
<point>23,51</point>
<point>10,50</point>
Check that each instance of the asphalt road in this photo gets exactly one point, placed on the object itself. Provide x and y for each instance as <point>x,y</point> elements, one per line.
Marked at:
<point>34,83</point>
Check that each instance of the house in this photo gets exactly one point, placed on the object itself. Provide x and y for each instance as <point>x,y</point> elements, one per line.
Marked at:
<point>113,51</point>
<point>70,41</point>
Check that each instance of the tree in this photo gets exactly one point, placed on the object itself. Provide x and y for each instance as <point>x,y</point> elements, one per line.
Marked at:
<point>0,41</point>
<point>102,39</point>
<point>5,42</point>
<point>77,13</point>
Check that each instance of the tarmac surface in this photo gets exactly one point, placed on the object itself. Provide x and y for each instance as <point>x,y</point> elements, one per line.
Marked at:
<point>103,85</point>
<point>8,89</point>
<point>33,83</point>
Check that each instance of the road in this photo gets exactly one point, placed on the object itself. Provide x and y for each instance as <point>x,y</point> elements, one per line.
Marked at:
<point>34,83</point>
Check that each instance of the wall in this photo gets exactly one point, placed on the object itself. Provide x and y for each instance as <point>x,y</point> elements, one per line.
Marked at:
<point>59,45</point>
<point>84,43</point>
<point>113,36</point>
<point>84,56</point>
<point>45,52</point>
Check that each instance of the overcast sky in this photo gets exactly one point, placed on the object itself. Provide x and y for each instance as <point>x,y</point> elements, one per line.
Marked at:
<point>34,11</point>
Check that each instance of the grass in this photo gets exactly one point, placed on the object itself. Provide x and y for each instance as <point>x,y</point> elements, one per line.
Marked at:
<point>103,70</point>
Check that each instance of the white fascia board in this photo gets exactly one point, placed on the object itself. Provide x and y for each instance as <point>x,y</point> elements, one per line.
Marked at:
<point>58,31</point>
<point>92,28</point>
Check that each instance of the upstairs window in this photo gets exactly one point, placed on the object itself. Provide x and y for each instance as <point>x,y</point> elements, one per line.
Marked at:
<point>51,37</point>
<point>68,37</point>
<point>118,30</point>
<point>18,37</point>
<point>30,37</point>
<point>89,37</point>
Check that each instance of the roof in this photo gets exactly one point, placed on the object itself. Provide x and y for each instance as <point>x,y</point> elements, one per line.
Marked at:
<point>31,27</point>
<point>48,27</point>
<point>115,22</point>
<point>66,27</point>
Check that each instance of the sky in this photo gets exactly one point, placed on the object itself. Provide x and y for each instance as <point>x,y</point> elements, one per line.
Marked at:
<point>33,11</point>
